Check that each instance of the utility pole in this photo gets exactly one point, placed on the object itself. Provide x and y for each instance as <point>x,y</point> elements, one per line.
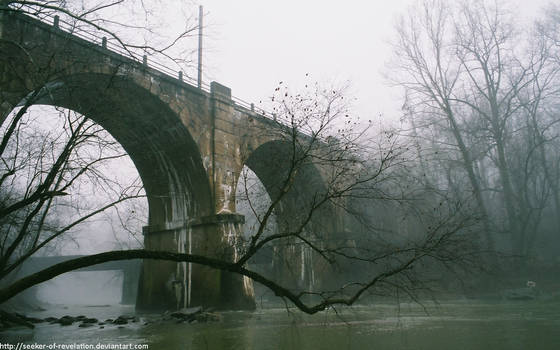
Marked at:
<point>199,84</point>
<point>199,47</point>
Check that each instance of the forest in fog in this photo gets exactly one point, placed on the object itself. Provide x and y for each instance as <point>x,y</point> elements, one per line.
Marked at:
<point>481,104</point>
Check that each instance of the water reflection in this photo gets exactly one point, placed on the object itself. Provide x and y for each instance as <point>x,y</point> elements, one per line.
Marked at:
<point>458,325</point>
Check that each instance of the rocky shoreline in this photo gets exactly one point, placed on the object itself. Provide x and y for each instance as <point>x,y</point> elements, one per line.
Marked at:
<point>191,316</point>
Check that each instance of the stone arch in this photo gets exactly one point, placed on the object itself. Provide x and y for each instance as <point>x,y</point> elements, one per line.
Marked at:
<point>167,159</point>
<point>271,162</point>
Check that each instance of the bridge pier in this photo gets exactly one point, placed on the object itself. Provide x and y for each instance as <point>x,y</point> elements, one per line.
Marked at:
<point>170,285</point>
<point>162,283</point>
<point>219,236</point>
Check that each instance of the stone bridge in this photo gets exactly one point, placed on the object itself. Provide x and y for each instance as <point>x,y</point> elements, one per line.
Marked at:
<point>188,145</point>
<point>130,271</point>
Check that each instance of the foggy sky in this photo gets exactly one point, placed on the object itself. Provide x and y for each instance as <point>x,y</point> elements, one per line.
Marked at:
<point>252,45</point>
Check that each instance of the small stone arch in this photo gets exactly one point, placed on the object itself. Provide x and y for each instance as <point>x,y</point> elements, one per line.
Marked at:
<point>271,162</point>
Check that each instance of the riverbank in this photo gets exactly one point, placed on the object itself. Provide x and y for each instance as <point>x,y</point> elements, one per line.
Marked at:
<point>459,324</point>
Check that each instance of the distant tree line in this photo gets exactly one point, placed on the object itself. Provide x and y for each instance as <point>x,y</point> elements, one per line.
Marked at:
<point>481,103</point>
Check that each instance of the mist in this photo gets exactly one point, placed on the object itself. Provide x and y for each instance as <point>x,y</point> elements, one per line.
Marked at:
<point>344,175</point>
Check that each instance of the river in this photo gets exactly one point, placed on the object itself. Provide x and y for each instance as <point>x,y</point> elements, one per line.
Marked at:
<point>447,325</point>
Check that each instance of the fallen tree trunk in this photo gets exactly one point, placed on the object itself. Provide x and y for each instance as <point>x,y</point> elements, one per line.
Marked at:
<point>85,261</point>
<point>296,298</point>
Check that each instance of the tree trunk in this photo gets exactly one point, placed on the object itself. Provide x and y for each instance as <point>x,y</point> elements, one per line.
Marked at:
<point>468,165</point>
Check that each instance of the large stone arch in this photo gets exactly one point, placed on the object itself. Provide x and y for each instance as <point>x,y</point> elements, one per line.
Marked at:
<point>162,121</point>
<point>166,157</point>
<point>271,162</point>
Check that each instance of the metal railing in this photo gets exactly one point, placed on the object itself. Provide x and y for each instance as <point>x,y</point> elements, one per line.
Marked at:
<point>131,53</point>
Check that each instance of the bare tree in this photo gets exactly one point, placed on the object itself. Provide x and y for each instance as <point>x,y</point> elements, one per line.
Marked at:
<point>334,181</point>
<point>329,185</point>
<point>475,88</point>
<point>45,176</point>
<point>427,67</point>
<point>131,27</point>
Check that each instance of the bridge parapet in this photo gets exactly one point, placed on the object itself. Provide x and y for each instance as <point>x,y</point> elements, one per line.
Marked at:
<point>97,37</point>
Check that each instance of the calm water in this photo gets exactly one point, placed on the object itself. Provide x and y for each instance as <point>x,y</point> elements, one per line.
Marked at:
<point>456,325</point>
